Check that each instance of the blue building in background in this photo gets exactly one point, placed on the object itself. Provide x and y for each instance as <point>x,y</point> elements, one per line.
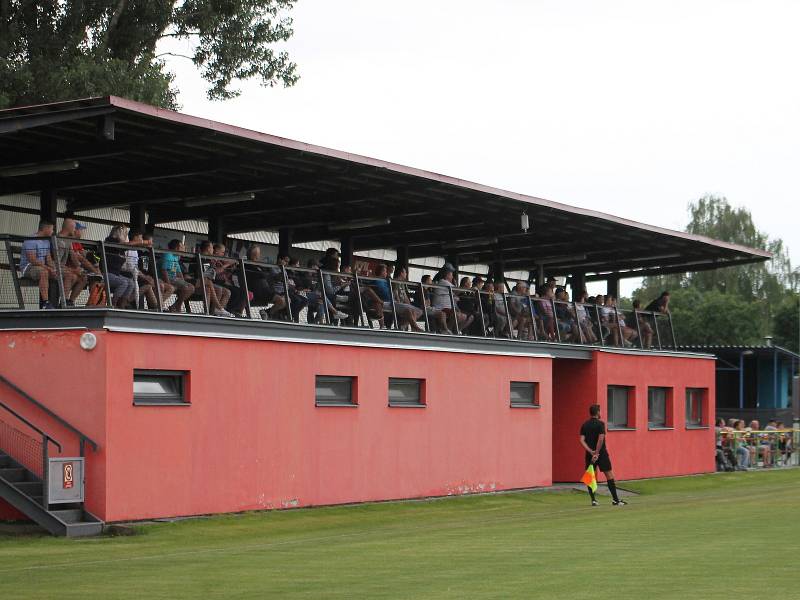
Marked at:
<point>754,382</point>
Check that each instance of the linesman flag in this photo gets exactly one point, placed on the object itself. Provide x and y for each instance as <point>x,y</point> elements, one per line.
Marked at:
<point>589,479</point>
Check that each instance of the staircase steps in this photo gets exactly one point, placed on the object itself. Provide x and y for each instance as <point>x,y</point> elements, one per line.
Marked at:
<point>23,490</point>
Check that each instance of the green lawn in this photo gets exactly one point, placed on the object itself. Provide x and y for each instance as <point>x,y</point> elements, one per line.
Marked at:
<point>719,536</point>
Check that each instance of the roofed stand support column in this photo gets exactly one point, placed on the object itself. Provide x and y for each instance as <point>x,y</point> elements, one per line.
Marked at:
<point>578,284</point>
<point>346,250</point>
<point>612,286</point>
<point>216,230</point>
<point>137,220</point>
<point>48,206</point>
<point>402,257</point>
<point>285,241</point>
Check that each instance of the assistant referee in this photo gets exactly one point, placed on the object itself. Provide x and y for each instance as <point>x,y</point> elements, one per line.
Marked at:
<point>593,440</point>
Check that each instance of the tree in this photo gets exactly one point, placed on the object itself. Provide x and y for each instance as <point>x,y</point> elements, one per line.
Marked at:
<point>53,50</point>
<point>786,324</point>
<point>761,288</point>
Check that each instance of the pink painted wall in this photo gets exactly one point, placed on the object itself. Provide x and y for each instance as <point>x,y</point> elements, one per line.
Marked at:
<point>640,452</point>
<point>51,367</point>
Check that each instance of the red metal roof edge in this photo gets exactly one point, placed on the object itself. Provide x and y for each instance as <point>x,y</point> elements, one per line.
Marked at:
<point>250,134</point>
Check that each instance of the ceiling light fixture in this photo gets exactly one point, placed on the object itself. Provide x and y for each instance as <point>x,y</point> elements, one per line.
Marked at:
<point>67,165</point>
<point>359,224</point>
<point>210,200</point>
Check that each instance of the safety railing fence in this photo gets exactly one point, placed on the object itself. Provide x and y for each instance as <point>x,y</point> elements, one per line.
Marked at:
<point>85,273</point>
<point>741,449</point>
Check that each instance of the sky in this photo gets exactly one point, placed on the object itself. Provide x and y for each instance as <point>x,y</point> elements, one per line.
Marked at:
<point>631,108</point>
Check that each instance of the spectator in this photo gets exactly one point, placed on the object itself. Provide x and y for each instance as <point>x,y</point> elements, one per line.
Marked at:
<point>216,296</point>
<point>660,304</point>
<point>172,274</point>
<point>544,308</point>
<point>740,444</point>
<point>145,281</point>
<point>74,278</point>
<point>405,316</point>
<point>584,320</point>
<point>330,263</point>
<point>519,304</point>
<point>36,262</point>
<point>120,280</point>
<point>258,279</point>
<point>225,270</point>
<point>567,321</point>
<point>441,299</point>
<point>644,325</point>
<point>411,314</point>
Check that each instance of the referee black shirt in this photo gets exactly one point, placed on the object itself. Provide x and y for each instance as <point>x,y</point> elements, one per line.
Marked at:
<point>591,431</point>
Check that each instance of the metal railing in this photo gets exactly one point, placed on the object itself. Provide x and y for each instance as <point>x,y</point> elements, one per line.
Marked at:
<point>24,448</point>
<point>91,277</point>
<point>743,450</point>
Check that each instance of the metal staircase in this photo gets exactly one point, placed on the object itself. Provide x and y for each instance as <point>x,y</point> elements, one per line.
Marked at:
<point>24,471</point>
<point>24,490</point>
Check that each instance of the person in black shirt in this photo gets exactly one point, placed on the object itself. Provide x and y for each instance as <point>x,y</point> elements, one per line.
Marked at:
<point>593,440</point>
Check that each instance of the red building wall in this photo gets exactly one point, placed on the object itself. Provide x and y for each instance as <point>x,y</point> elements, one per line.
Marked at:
<point>639,452</point>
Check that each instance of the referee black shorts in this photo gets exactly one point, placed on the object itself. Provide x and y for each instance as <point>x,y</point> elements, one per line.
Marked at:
<point>603,461</point>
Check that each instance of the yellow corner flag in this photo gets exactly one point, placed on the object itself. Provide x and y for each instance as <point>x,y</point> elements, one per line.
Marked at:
<point>589,479</point>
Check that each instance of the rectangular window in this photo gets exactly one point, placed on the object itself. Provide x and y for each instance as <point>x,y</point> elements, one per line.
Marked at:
<point>159,387</point>
<point>695,398</point>
<point>618,405</point>
<point>657,407</point>
<point>334,391</point>
<point>406,392</point>
<point>524,393</point>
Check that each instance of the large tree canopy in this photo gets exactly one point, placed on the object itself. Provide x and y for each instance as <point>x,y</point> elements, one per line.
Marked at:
<point>735,305</point>
<point>55,49</point>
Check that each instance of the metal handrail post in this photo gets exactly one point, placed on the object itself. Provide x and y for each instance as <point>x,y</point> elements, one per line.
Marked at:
<point>324,296</point>
<point>638,328</point>
<point>45,473</point>
<point>62,301</point>
<point>201,279</point>
<point>619,329</point>
<point>655,326</point>
<point>555,320</point>
<point>156,279</point>
<point>248,310</point>
<point>480,312</point>
<point>533,318</point>
<point>286,294</point>
<point>391,300</point>
<point>453,305</point>
<point>599,325</point>
<point>508,318</point>
<point>672,330</point>
<point>578,323</point>
<point>13,268</point>
<point>361,315</point>
<point>424,306</point>
<point>104,265</point>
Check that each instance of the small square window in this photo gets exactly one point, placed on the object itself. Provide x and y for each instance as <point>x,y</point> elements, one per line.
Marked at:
<point>618,407</point>
<point>695,415</point>
<point>334,391</point>
<point>406,392</point>
<point>159,387</point>
<point>657,408</point>
<point>524,393</point>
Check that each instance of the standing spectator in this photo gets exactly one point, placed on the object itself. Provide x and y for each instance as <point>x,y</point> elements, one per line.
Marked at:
<point>660,304</point>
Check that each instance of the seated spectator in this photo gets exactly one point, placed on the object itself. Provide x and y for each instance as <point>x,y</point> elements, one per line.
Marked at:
<point>405,316</point>
<point>74,276</point>
<point>225,270</point>
<point>436,317</point>
<point>258,277</point>
<point>146,282</point>
<point>584,319</point>
<point>172,274</point>
<point>660,304</point>
<point>629,334</point>
<point>544,308</point>
<point>216,295</point>
<point>785,448</point>
<point>120,280</point>
<point>740,446</point>
<point>327,293</point>
<point>519,305</point>
<point>441,299</point>
<point>567,321</point>
<point>36,262</point>
<point>644,325</point>
<point>410,314</point>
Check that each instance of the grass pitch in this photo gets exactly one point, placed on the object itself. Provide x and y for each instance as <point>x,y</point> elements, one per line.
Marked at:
<point>718,536</point>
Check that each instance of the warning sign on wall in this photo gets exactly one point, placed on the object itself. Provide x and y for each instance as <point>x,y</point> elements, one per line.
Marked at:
<point>69,476</point>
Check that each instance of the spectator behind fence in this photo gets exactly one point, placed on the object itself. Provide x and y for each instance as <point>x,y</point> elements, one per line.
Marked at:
<point>172,273</point>
<point>403,301</point>
<point>74,277</point>
<point>224,272</point>
<point>36,262</point>
<point>644,325</point>
<point>660,304</point>
<point>146,282</point>
<point>120,281</point>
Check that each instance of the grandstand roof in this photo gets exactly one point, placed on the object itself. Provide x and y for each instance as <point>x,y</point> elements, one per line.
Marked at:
<point>110,151</point>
